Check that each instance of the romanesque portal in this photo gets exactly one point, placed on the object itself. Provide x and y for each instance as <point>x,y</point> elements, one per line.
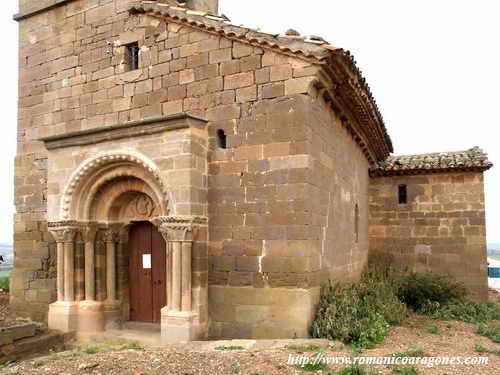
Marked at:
<point>121,254</point>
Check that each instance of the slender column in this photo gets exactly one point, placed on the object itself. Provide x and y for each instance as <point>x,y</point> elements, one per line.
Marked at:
<point>69,267</point>
<point>169,274</point>
<point>121,255</point>
<point>60,271</point>
<point>176,276</point>
<point>89,233</point>
<point>110,238</point>
<point>64,235</point>
<point>179,321</point>
<point>178,232</point>
<point>186,276</point>
<point>79,268</point>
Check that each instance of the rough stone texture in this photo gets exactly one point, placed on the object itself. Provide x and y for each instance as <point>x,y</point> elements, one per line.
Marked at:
<point>441,228</point>
<point>27,346</point>
<point>339,200</point>
<point>71,80</point>
<point>286,201</point>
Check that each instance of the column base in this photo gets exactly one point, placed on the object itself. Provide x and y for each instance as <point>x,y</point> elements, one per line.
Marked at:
<point>90,316</point>
<point>63,316</point>
<point>112,314</point>
<point>181,326</point>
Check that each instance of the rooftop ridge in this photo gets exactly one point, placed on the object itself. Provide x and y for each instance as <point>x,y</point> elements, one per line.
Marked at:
<point>314,50</point>
<point>473,159</point>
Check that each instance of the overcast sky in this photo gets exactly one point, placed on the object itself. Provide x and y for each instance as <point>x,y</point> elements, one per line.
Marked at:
<point>432,67</point>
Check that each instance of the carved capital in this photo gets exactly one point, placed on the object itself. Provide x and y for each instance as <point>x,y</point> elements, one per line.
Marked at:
<point>178,228</point>
<point>89,231</point>
<point>63,231</point>
<point>111,234</point>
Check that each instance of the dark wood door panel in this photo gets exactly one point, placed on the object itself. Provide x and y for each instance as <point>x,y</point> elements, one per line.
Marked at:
<point>141,279</point>
<point>147,281</point>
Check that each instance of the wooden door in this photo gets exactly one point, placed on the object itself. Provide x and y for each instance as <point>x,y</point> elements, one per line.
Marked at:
<point>147,268</point>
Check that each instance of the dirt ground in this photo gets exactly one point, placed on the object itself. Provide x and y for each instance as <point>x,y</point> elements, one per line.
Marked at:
<point>430,337</point>
<point>5,314</point>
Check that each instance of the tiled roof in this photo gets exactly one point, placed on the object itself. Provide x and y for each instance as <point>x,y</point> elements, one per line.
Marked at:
<point>473,159</point>
<point>352,86</point>
<point>297,45</point>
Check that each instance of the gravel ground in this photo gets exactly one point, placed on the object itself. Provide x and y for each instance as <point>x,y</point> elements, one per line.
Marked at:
<point>453,339</point>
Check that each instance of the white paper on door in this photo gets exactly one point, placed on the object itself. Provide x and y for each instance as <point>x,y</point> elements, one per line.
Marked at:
<point>146,261</point>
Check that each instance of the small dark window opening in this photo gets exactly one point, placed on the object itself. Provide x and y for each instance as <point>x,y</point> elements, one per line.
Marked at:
<point>403,194</point>
<point>221,139</point>
<point>133,55</point>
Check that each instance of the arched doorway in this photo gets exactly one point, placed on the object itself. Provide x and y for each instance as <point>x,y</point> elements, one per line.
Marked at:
<point>111,207</point>
<point>147,273</point>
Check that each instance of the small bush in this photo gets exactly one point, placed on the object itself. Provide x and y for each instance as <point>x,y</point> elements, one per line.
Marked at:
<point>133,346</point>
<point>90,350</point>
<point>357,314</point>
<point>410,353</point>
<point>354,369</point>
<point>39,363</point>
<point>229,348</point>
<point>405,370</point>
<point>102,347</point>
<point>464,310</point>
<point>482,349</point>
<point>313,366</point>
<point>302,348</point>
<point>434,330</point>
<point>418,290</point>
<point>491,331</point>
<point>5,283</point>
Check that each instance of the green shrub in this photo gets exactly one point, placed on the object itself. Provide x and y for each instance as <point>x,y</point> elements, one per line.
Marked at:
<point>229,348</point>
<point>464,310</point>
<point>354,369</point>
<point>418,290</point>
<point>39,363</point>
<point>357,314</point>
<point>409,353</point>
<point>434,330</point>
<point>405,370</point>
<point>5,282</point>
<point>491,331</point>
<point>482,349</point>
<point>313,366</point>
<point>302,348</point>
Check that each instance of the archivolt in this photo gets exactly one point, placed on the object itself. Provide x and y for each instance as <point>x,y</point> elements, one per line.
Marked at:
<point>95,172</point>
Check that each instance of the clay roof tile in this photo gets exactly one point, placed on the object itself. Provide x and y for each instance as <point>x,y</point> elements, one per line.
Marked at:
<point>314,49</point>
<point>473,159</point>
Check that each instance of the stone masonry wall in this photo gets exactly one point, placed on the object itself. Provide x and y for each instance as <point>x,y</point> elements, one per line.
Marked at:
<point>441,228</point>
<point>71,79</point>
<point>340,204</point>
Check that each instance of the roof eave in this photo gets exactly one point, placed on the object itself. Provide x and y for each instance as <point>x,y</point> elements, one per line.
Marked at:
<point>421,171</point>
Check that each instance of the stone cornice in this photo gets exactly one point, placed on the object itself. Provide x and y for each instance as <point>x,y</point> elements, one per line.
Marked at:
<point>130,129</point>
<point>54,225</point>
<point>47,5</point>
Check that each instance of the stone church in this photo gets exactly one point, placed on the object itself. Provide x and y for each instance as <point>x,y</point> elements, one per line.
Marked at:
<point>178,170</point>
